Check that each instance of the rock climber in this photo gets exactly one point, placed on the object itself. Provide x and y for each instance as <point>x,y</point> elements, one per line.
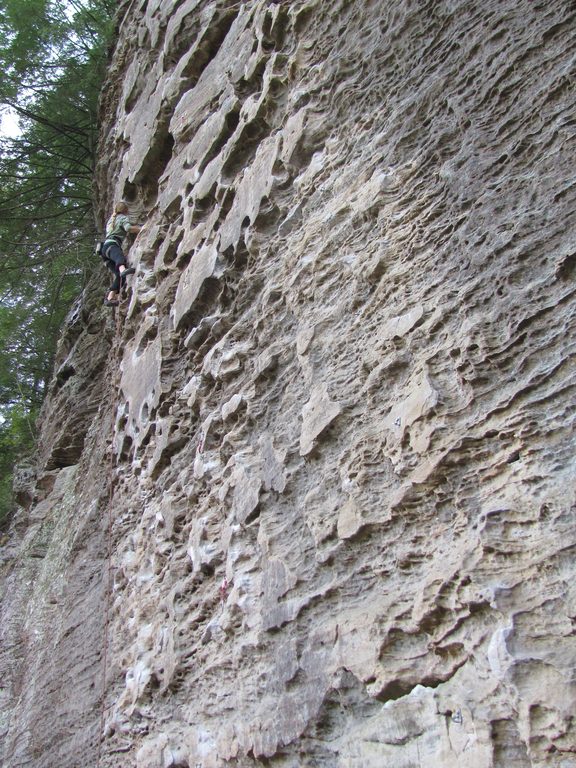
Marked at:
<point>117,228</point>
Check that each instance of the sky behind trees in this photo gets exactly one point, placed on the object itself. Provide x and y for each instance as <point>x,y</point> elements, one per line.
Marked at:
<point>10,125</point>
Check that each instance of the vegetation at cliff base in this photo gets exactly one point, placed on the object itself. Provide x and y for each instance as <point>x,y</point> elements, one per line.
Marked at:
<point>53,60</point>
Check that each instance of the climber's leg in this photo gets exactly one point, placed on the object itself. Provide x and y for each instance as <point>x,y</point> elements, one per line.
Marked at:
<point>116,263</point>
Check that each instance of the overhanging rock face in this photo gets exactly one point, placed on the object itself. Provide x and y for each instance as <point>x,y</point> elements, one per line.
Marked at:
<point>334,457</point>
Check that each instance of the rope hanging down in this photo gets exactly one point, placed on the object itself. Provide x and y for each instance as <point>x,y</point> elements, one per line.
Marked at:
<point>108,576</point>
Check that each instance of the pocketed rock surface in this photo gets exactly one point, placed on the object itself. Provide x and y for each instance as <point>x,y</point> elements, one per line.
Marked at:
<point>327,439</point>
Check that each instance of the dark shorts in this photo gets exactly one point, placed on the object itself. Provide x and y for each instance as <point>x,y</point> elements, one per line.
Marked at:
<point>114,258</point>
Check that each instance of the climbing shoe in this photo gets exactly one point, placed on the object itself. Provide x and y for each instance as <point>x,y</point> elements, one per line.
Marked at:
<point>111,303</point>
<point>128,271</point>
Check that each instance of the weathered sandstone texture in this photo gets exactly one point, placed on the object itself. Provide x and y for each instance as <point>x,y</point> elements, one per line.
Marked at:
<point>308,498</point>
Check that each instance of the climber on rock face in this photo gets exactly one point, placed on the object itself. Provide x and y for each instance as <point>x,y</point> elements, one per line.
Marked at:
<point>117,228</point>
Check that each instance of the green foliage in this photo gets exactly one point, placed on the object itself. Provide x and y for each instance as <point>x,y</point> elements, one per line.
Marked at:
<point>16,439</point>
<point>53,60</point>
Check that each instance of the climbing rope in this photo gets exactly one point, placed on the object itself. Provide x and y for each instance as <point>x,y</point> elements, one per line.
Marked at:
<point>108,584</point>
<point>107,595</point>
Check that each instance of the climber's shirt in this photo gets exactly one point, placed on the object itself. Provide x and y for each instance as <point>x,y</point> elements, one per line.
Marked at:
<point>117,228</point>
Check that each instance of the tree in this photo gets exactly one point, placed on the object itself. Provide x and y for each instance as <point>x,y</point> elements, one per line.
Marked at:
<point>53,60</point>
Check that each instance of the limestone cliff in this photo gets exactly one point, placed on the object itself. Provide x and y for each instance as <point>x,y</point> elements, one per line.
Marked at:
<point>308,498</point>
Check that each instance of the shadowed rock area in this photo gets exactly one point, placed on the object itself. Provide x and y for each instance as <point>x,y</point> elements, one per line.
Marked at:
<point>307,498</point>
